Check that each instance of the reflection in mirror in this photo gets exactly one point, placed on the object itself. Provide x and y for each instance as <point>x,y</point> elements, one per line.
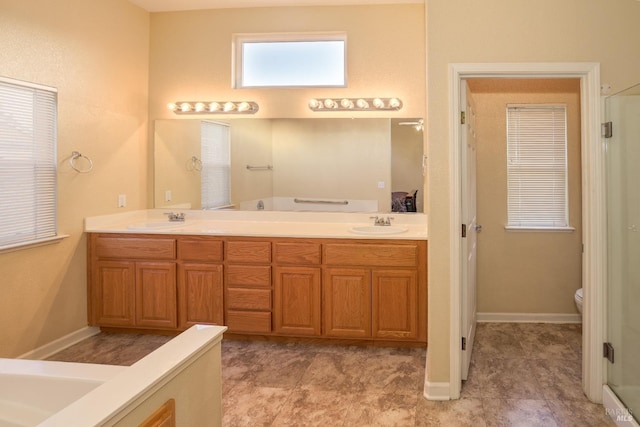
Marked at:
<point>347,165</point>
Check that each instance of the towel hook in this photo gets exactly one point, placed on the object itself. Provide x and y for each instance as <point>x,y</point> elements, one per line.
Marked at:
<point>72,162</point>
<point>196,164</point>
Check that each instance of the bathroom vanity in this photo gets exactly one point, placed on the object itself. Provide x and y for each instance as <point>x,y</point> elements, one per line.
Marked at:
<point>261,277</point>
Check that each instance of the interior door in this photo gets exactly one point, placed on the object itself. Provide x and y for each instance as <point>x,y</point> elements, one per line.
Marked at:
<point>469,225</point>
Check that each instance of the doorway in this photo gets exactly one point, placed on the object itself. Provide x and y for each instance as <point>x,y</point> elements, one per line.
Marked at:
<point>528,199</point>
<point>593,214</point>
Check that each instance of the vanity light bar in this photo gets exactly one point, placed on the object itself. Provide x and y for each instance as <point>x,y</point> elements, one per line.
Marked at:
<point>215,107</point>
<point>355,104</point>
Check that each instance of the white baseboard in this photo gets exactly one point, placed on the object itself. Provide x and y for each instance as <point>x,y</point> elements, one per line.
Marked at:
<point>616,409</point>
<point>436,391</point>
<point>529,317</point>
<point>60,344</point>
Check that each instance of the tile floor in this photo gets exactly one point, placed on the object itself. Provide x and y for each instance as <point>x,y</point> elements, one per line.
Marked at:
<point>521,375</point>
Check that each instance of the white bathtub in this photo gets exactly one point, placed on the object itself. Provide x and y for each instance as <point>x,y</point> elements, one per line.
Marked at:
<point>32,390</point>
<point>63,394</point>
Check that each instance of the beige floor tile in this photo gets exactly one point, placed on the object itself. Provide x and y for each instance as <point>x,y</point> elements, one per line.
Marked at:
<point>310,406</point>
<point>248,405</point>
<point>546,341</point>
<point>517,413</point>
<point>559,379</point>
<point>337,371</point>
<point>579,413</point>
<point>466,412</point>
<point>507,379</point>
<point>401,374</point>
<point>383,409</point>
<point>497,341</point>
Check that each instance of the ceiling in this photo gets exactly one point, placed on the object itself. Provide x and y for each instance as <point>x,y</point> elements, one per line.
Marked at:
<point>173,5</point>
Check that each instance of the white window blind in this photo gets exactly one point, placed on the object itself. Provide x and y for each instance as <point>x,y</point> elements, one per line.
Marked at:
<point>216,165</point>
<point>537,167</point>
<point>28,137</point>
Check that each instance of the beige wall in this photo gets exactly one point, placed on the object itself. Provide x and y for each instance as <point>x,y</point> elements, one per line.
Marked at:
<point>191,56</point>
<point>466,31</point>
<point>96,54</point>
<point>524,272</point>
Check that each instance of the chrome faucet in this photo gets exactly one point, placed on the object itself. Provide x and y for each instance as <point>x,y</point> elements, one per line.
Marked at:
<point>175,217</point>
<point>381,221</point>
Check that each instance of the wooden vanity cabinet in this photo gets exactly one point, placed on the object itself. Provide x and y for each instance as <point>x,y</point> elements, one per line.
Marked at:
<point>346,298</point>
<point>247,286</point>
<point>297,288</point>
<point>375,290</point>
<point>317,288</point>
<point>132,282</point>
<point>200,281</point>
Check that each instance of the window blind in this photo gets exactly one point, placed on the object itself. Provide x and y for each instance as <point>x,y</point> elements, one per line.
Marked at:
<point>216,165</point>
<point>28,138</point>
<point>537,166</point>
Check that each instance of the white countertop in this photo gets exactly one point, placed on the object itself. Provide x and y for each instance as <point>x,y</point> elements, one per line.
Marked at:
<point>413,226</point>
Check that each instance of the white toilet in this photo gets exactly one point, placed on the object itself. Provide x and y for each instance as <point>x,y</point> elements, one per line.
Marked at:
<point>578,298</point>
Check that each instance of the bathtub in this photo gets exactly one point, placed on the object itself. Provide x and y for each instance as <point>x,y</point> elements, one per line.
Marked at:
<point>185,370</point>
<point>32,390</point>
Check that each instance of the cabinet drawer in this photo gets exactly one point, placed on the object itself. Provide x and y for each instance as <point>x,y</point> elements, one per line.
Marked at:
<point>249,252</point>
<point>199,250</point>
<point>246,321</point>
<point>248,275</point>
<point>297,253</point>
<point>360,254</point>
<point>135,248</point>
<point>248,299</point>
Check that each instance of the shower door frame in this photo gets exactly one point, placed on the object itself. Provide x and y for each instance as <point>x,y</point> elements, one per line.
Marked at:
<point>594,258</point>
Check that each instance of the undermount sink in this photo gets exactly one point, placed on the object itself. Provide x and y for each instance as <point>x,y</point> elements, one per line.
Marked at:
<point>378,229</point>
<point>155,225</point>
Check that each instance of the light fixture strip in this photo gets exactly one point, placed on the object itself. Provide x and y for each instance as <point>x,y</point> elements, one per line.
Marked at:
<point>355,104</point>
<point>213,107</point>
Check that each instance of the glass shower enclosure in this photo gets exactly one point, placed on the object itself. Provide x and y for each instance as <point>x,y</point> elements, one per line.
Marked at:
<point>623,217</point>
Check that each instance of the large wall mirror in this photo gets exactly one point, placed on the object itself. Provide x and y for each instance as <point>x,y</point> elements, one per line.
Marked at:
<point>323,164</point>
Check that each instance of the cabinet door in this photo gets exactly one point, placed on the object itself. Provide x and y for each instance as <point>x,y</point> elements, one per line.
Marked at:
<point>346,298</point>
<point>200,294</point>
<point>297,300</point>
<point>395,304</point>
<point>156,295</point>
<point>113,293</point>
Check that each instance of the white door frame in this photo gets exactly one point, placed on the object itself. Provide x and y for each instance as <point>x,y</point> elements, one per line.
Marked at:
<point>594,257</point>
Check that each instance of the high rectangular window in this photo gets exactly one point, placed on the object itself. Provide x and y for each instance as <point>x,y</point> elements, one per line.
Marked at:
<point>537,193</point>
<point>28,138</point>
<point>290,60</point>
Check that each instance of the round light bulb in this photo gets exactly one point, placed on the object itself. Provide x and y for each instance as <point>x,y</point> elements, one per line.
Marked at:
<point>200,107</point>
<point>214,106</point>
<point>394,103</point>
<point>185,106</point>
<point>229,106</point>
<point>244,106</point>
<point>329,103</point>
<point>314,104</point>
<point>378,103</point>
<point>361,103</point>
<point>172,106</point>
<point>346,103</point>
